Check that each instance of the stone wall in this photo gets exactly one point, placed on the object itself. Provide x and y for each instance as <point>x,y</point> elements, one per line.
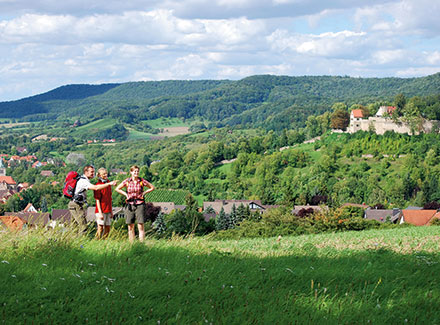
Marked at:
<point>381,125</point>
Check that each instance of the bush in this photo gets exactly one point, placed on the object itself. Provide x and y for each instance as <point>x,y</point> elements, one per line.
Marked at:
<point>281,221</point>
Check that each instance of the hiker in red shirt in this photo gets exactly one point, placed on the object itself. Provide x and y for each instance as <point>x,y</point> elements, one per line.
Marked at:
<point>135,209</point>
<point>103,210</point>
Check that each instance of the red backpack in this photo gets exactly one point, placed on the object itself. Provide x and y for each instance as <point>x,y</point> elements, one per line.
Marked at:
<point>70,184</point>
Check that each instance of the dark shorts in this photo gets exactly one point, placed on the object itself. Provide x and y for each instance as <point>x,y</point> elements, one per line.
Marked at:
<point>134,213</point>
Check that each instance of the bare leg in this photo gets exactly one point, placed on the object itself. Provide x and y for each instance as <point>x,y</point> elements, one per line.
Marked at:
<point>131,234</point>
<point>141,231</point>
<point>106,231</point>
<point>99,231</point>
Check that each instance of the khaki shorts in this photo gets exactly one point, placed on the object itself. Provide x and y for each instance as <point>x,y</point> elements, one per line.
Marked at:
<point>134,213</point>
<point>78,213</point>
<point>107,221</point>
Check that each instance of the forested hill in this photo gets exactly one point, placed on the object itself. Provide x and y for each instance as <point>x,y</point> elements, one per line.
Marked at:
<point>275,101</point>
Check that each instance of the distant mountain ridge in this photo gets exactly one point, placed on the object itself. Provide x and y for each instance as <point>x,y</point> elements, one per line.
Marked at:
<point>256,100</point>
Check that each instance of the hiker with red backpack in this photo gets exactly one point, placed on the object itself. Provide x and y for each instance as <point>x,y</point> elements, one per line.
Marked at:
<point>78,204</point>
<point>135,208</point>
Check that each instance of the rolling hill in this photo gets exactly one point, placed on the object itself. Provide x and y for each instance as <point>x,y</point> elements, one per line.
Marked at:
<point>263,100</point>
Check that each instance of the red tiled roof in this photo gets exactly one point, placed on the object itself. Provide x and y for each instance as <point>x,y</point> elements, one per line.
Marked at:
<point>391,109</point>
<point>418,217</point>
<point>13,222</point>
<point>357,113</point>
<point>8,179</point>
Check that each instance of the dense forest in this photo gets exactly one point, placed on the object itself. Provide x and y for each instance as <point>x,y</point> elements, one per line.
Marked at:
<point>272,102</point>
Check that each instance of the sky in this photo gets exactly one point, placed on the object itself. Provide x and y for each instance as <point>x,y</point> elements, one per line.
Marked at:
<point>45,44</point>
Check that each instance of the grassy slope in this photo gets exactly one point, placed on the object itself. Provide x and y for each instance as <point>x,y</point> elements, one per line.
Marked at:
<point>94,126</point>
<point>166,123</point>
<point>387,276</point>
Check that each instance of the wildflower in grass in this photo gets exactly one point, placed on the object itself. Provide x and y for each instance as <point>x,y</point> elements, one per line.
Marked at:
<point>62,279</point>
<point>43,288</point>
<point>5,262</point>
<point>130,295</point>
<point>77,275</point>
<point>13,275</point>
<point>90,264</point>
<point>44,264</point>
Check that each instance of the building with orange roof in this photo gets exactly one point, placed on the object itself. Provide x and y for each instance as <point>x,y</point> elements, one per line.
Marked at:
<point>357,113</point>
<point>418,217</point>
<point>7,183</point>
<point>385,110</point>
<point>13,222</point>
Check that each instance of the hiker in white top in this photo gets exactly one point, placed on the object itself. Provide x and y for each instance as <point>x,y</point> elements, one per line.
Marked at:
<point>78,206</point>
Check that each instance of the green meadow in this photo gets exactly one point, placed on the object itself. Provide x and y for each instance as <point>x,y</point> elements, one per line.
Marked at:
<point>166,122</point>
<point>378,277</point>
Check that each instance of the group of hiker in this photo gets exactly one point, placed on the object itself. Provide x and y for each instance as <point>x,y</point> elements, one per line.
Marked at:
<point>134,210</point>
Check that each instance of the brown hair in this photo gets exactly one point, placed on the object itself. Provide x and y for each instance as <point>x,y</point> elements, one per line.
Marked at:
<point>86,168</point>
<point>133,168</point>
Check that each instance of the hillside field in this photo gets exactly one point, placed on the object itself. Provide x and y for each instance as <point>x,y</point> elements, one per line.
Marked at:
<point>378,277</point>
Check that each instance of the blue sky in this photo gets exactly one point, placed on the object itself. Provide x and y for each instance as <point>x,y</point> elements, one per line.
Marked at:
<point>49,43</point>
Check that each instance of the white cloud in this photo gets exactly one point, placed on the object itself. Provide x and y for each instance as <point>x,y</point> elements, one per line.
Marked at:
<point>415,72</point>
<point>387,57</point>
<point>48,43</point>
<point>340,44</point>
<point>402,17</point>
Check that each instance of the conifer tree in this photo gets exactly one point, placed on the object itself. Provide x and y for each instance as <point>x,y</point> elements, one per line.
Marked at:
<point>43,204</point>
<point>221,222</point>
<point>233,217</point>
<point>159,224</point>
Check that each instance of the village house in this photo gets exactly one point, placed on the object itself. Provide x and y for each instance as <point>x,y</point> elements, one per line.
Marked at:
<point>21,149</point>
<point>60,217</point>
<point>383,215</point>
<point>168,207</point>
<point>217,205</point>
<point>47,173</point>
<point>16,160</point>
<point>118,171</point>
<point>13,223</point>
<point>7,183</point>
<point>38,164</point>
<point>118,212</point>
<point>32,219</point>
<point>5,195</point>
<point>419,217</point>
<point>384,111</point>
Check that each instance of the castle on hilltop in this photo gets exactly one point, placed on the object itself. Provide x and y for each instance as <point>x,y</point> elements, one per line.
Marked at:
<point>381,122</point>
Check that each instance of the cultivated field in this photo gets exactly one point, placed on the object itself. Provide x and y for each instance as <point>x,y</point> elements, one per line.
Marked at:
<point>173,131</point>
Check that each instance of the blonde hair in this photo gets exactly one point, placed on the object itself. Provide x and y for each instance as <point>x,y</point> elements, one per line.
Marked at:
<point>101,171</point>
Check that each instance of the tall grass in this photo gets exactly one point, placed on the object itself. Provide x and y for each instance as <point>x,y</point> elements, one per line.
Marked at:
<point>380,276</point>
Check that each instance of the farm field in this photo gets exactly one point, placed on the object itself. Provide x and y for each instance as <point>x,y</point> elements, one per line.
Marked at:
<point>138,135</point>
<point>378,277</point>
<point>166,123</point>
<point>93,126</point>
<point>11,125</point>
<point>174,131</point>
